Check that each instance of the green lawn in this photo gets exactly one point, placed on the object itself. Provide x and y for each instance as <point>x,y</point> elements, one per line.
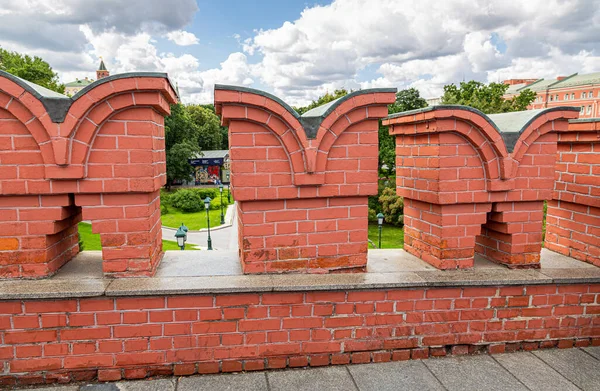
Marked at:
<point>391,236</point>
<point>193,221</point>
<point>91,241</point>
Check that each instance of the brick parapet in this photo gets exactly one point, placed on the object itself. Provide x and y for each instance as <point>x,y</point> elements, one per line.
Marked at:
<point>573,220</point>
<point>302,181</point>
<point>45,341</point>
<point>53,149</point>
<point>459,170</point>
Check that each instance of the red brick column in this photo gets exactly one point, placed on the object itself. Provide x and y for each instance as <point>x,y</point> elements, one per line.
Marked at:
<point>302,182</point>
<point>573,220</point>
<point>473,182</point>
<point>98,156</point>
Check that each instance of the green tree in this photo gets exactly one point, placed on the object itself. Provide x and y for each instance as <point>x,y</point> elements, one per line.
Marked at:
<point>210,134</point>
<point>32,69</point>
<point>224,129</point>
<point>181,144</point>
<point>488,98</point>
<point>322,100</point>
<point>409,99</point>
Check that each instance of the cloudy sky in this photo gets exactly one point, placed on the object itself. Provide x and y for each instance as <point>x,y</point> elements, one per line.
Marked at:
<point>299,49</point>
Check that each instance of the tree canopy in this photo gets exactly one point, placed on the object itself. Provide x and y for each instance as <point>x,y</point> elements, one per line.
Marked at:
<point>32,69</point>
<point>487,98</point>
<point>189,130</point>
<point>409,99</point>
<point>181,143</point>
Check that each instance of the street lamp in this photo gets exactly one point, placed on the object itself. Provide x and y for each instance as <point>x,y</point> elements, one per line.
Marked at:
<point>207,201</point>
<point>181,236</point>
<point>228,193</point>
<point>222,217</point>
<point>380,224</point>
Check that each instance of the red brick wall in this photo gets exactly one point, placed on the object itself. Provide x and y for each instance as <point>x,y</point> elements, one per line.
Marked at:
<point>105,163</point>
<point>62,340</point>
<point>302,202</point>
<point>573,220</point>
<point>465,193</point>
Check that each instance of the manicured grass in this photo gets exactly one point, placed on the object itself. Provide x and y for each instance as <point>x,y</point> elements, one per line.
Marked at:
<point>391,236</point>
<point>193,221</point>
<point>91,241</point>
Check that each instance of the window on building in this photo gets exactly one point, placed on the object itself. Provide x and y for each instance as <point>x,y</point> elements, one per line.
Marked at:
<point>566,96</point>
<point>573,96</point>
<point>551,98</point>
<point>582,109</point>
<point>591,94</point>
<point>583,95</point>
<point>589,109</point>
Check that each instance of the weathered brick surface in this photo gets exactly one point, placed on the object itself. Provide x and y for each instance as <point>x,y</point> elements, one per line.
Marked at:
<point>105,162</point>
<point>302,201</point>
<point>114,338</point>
<point>573,220</point>
<point>464,192</point>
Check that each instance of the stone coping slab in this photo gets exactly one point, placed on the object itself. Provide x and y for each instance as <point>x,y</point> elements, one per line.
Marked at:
<point>210,272</point>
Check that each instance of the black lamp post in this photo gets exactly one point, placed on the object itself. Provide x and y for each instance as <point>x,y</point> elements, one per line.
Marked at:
<point>181,236</point>
<point>380,224</point>
<point>207,206</point>
<point>228,193</point>
<point>222,217</point>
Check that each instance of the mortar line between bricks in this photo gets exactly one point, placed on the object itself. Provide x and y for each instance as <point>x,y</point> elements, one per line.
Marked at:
<point>555,370</point>
<point>589,354</point>
<point>352,377</point>
<point>433,374</point>
<point>509,372</point>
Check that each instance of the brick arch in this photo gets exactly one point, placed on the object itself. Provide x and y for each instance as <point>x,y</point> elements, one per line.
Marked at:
<point>290,138</point>
<point>23,111</point>
<point>540,125</point>
<point>326,138</point>
<point>83,135</point>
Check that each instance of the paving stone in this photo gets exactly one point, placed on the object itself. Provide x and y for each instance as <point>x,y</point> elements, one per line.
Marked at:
<point>574,364</point>
<point>147,385</point>
<point>99,387</point>
<point>393,376</point>
<point>593,350</point>
<point>394,260</point>
<point>255,381</point>
<point>86,264</point>
<point>533,372</point>
<point>473,373</point>
<point>315,379</point>
<point>573,276</point>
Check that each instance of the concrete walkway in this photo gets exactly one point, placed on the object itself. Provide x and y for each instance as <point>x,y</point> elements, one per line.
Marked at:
<point>223,238</point>
<point>544,370</point>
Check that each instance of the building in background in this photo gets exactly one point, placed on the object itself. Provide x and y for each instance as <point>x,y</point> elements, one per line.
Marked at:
<point>582,91</point>
<point>212,167</point>
<point>74,87</point>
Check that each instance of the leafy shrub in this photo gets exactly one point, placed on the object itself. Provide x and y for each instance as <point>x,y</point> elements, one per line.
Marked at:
<point>188,200</point>
<point>392,206</point>
<point>163,209</point>
<point>372,215</point>
<point>166,197</point>
<point>203,193</point>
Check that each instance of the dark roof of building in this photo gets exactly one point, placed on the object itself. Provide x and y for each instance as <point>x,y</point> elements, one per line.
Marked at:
<point>102,67</point>
<point>219,153</point>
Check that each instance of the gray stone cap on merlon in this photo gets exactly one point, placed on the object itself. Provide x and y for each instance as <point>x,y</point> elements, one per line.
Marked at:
<point>579,120</point>
<point>57,105</point>
<point>312,119</point>
<point>509,125</point>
